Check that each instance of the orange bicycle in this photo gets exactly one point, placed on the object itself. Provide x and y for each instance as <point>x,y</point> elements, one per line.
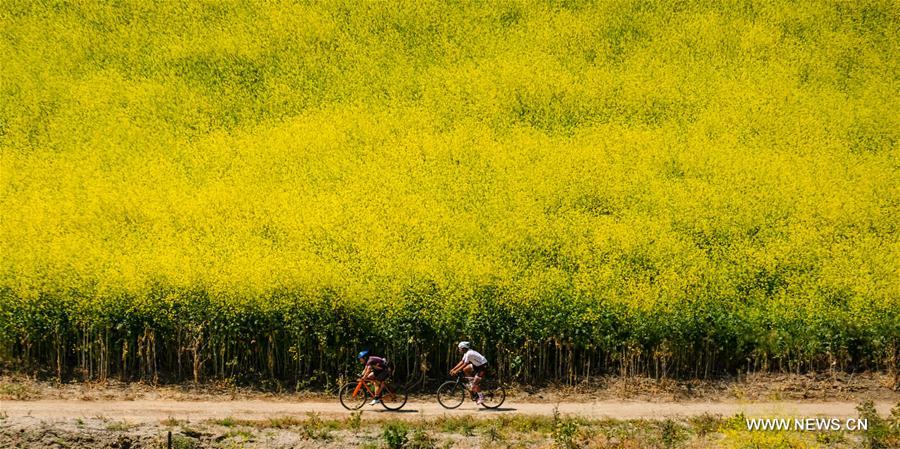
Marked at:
<point>354,395</point>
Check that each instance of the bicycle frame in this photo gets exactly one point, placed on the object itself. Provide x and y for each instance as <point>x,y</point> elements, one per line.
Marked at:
<point>469,381</point>
<point>393,397</point>
<point>369,385</point>
<point>364,383</point>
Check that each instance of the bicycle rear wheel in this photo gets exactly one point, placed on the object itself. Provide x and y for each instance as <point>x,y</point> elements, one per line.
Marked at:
<point>494,394</point>
<point>351,401</point>
<point>393,397</point>
<point>451,394</point>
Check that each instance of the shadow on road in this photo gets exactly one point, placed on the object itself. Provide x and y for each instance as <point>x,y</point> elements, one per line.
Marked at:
<point>397,411</point>
<point>501,409</point>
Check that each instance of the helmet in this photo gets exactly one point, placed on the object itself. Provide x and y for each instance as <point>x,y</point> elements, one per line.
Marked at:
<point>464,345</point>
<point>363,353</point>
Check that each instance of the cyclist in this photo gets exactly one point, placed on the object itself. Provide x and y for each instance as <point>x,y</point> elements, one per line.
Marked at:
<point>378,369</point>
<point>473,365</point>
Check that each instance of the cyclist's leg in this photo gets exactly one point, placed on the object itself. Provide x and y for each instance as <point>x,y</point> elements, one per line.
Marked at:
<point>479,374</point>
<point>470,372</point>
<point>379,381</point>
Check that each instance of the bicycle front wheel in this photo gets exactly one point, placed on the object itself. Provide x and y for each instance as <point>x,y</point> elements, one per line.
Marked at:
<point>393,397</point>
<point>494,394</point>
<point>451,394</point>
<point>352,401</point>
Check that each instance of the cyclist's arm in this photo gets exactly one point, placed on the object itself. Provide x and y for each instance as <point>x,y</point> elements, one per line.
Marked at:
<point>365,372</point>
<point>458,367</point>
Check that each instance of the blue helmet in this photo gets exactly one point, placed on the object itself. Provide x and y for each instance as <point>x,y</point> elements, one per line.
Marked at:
<point>363,353</point>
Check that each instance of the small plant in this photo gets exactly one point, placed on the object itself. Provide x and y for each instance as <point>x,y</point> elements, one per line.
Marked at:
<point>183,442</point>
<point>314,428</point>
<point>830,438</point>
<point>395,435</point>
<point>420,440</point>
<point>526,423</point>
<point>354,421</point>
<point>244,435</point>
<point>286,422</point>
<point>15,391</point>
<point>170,422</point>
<point>672,433</point>
<point>895,421</point>
<point>564,431</point>
<point>736,422</point>
<point>705,424</point>
<point>464,425</point>
<point>226,422</point>
<point>191,432</point>
<point>879,434</point>
<point>492,434</point>
<point>118,426</point>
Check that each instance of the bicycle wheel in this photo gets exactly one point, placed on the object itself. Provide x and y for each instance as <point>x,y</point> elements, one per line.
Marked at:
<point>393,397</point>
<point>494,394</point>
<point>348,400</point>
<point>451,394</point>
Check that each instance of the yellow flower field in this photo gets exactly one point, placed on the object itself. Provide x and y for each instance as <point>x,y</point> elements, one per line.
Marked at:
<point>257,190</point>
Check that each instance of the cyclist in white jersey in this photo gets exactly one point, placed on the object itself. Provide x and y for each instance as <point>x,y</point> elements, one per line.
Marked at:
<point>473,365</point>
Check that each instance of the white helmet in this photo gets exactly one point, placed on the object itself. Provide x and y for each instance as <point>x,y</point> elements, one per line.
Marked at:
<point>464,345</point>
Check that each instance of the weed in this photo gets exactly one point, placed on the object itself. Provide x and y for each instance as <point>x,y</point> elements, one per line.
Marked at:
<point>284,422</point>
<point>225,422</point>
<point>184,442</point>
<point>492,434</point>
<point>420,440</point>
<point>118,426</point>
<point>314,428</point>
<point>244,435</point>
<point>170,422</point>
<point>705,424</point>
<point>879,433</point>
<point>464,425</point>
<point>395,435</point>
<point>671,433</point>
<point>354,421</point>
<point>16,391</point>
<point>564,431</point>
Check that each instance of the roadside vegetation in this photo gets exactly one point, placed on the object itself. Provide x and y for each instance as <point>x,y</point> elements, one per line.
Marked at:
<point>458,432</point>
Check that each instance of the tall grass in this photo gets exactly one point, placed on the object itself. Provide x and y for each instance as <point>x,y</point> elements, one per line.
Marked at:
<point>256,190</point>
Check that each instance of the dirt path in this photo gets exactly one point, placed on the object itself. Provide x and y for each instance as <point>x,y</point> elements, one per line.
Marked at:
<point>154,411</point>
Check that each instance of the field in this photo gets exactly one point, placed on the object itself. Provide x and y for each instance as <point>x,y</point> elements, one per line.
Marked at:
<point>252,192</point>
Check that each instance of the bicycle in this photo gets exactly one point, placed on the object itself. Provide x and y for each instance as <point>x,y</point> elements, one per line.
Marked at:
<point>354,395</point>
<point>452,393</point>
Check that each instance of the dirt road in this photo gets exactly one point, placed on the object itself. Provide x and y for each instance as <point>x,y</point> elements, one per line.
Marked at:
<point>154,411</point>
